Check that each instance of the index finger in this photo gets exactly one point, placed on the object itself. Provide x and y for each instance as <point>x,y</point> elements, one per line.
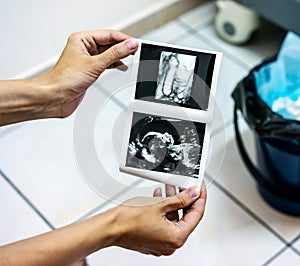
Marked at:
<point>106,37</point>
<point>193,216</point>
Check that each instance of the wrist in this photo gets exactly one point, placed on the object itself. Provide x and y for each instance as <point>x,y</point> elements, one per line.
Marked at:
<point>124,226</point>
<point>29,99</point>
<point>48,97</point>
<point>101,231</point>
<point>115,229</point>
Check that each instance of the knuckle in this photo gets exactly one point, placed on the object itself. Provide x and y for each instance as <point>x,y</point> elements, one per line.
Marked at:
<point>111,34</point>
<point>177,244</point>
<point>181,201</point>
<point>178,241</point>
<point>169,252</point>
<point>115,52</point>
<point>74,35</point>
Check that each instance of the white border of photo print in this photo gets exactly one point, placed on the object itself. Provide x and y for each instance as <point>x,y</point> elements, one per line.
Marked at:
<point>167,130</point>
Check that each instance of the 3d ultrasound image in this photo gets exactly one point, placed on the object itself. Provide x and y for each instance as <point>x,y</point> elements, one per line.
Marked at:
<point>165,144</point>
<point>175,77</point>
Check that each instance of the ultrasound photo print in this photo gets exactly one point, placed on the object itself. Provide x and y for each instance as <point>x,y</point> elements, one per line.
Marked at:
<point>175,77</point>
<point>165,144</point>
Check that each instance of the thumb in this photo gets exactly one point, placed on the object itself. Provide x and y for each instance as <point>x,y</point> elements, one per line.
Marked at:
<point>181,200</point>
<point>117,52</point>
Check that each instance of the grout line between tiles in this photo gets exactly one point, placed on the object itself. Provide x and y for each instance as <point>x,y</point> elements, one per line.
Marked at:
<point>275,256</point>
<point>295,250</point>
<point>10,129</point>
<point>199,26</point>
<point>102,205</point>
<point>219,129</point>
<point>295,239</point>
<point>247,210</point>
<point>292,245</point>
<point>178,38</point>
<point>110,96</point>
<point>118,102</point>
<point>202,37</point>
<point>288,244</point>
<point>20,193</point>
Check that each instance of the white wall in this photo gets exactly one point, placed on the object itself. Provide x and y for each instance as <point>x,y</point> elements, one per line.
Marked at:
<point>34,31</point>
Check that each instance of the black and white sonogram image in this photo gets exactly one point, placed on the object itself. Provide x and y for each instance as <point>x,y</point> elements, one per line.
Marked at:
<point>175,77</point>
<point>165,144</point>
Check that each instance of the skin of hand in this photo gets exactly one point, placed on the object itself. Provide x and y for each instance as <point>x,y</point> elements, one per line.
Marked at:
<point>58,93</point>
<point>85,57</point>
<point>144,224</point>
<point>152,225</point>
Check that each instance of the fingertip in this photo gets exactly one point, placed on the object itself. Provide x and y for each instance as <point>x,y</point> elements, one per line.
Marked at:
<point>193,192</point>
<point>115,53</point>
<point>157,192</point>
<point>203,190</point>
<point>132,44</point>
<point>203,185</point>
<point>122,67</point>
<point>170,190</point>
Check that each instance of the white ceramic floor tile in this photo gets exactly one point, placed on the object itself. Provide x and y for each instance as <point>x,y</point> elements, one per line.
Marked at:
<point>108,146</point>
<point>229,170</point>
<point>266,43</point>
<point>288,257</point>
<point>39,158</point>
<point>9,128</point>
<point>101,138</point>
<point>17,219</point>
<point>165,33</point>
<point>194,42</point>
<point>297,245</point>
<point>199,16</point>
<point>141,187</point>
<point>117,85</point>
<point>229,240</point>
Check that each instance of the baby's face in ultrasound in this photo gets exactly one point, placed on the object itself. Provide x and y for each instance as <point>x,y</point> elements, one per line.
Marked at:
<point>156,144</point>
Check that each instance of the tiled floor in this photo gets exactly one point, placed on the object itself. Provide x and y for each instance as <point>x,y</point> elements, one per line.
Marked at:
<point>49,180</point>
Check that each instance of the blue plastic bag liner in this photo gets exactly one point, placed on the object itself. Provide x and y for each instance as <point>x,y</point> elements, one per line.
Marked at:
<point>259,115</point>
<point>278,83</point>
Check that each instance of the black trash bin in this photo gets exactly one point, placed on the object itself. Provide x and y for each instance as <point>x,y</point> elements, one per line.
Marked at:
<point>277,171</point>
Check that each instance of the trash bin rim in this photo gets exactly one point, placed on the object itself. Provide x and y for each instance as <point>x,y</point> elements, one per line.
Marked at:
<point>278,126</point>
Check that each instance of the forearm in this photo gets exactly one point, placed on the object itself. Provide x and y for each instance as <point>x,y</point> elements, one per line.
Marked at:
<point>22,100</point>
<point>66,245</point>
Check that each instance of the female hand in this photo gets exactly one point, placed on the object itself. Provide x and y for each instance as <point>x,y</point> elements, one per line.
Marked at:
<point>144,224</point>
<point>58,93</point>
<point>152,225</point>
<point>85,57</point>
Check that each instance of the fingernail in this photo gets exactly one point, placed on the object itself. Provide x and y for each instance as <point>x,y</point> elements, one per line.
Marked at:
<point>193,192</point>
<point>132,44</point>
<point>123,67</point>
<point>203,185</point>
